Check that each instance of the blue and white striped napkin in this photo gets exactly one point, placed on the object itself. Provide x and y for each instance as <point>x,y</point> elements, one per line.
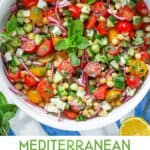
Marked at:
<point>23,125</point>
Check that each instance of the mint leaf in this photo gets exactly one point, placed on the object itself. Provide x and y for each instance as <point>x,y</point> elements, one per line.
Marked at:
<point>3,100</point>
<point>12,24</point>
<point>82,42</point>
<point>62,44</point>
<point>91,1</point>
<point>74,59</point>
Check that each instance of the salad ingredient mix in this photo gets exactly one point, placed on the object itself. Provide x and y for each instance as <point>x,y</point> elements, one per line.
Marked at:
<point>80,59</point>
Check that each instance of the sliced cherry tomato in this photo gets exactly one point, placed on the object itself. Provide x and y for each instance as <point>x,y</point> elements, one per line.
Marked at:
<point>138,67</point>
<point>75,11</point>
<point>70,115</point>
<point>83,1</point>
<point>126,12</point>
<point>100,8</point>
<point>91,22</point>
<point>144,47</point>
<point>50,1</point>
<point>113,34</point>
<point>34,96</point>
<point>93,69</point>
<point>124,26</point>
<point>114,50</point>
<point>14,76</point>
<point>36,15</point>
<point>61,55</point>
<point>45,89</point>
<point>45,48</point>
<point>145,56</point>
<point>30,81</point>
<point>29,46</point>
<point>101,28</point>
<point>101,92</point>
<point>66,67</point>
<point>29,3</point>
<point>133,81</point>
<point>142,8</point>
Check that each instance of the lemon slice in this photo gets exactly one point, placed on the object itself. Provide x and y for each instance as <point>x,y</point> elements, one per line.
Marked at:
<point>134,126</point>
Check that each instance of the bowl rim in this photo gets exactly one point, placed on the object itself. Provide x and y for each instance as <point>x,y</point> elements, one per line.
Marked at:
<point>71,125</point>
<point>66,124</point>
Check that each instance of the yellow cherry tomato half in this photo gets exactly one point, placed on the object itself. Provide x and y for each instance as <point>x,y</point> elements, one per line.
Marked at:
<point>113,34</point>
<point>34,96</point>
<point>138,67</point>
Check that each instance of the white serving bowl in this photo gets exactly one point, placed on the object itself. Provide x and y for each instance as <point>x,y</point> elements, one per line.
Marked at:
<point>51,120</point>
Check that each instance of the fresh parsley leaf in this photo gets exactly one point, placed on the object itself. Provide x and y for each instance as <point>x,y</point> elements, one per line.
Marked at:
<point>11,24</point>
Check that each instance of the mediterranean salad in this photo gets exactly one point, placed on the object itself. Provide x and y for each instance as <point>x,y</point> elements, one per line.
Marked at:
<point>78,59</point>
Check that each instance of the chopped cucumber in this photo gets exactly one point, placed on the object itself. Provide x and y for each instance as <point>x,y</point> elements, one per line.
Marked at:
<point>57,77</point>
<point>119,82</point>
<point>111,22</point>
<point>114,64</point>
<point>38,39</point>
<point>27,28</point>
<point>137,20</point>
<point>74,87</point>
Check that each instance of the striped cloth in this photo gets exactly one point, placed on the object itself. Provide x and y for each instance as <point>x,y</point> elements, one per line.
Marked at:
<point>23,125</point>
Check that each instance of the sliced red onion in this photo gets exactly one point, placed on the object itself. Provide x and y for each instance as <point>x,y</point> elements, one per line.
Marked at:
<point>56,11</point>
<point>96,112</point>
<point>63,3</point>
<point>30,73</point>
<point>23,37</point>
<point>52,69</point>
<point>138,46</point>
<point>36,63</point>
<point>56,22</point>
<point>59,116</point>
<point>110,71</point>
<point>116,16</point>
<point>15,91</point>
<point>127,98</point>
<point>76,105</point>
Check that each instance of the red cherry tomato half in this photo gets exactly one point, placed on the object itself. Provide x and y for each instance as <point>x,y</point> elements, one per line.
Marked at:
<point>91,22</point>
<point>45,48</point>
<point>83,1</point>
<point>126,12</point>
<point>75,11</point>
<point>45,89</point>
<point>50,1</point>
<point>133,81</point>
<point>93,69</point>
<point>29,3</point>
<point>101,92</point>
<point>66,67</point>
<point>30,81</point>
<point>142,8</point>
<point>114,50</point>
<point>29,46</point>
<point>50,12</point>
<point>70,115</point>
<point>124,26</point>
<point>14,76</point>
<point>145,56</point>
<point>100,8</point>
<point>101,28</point>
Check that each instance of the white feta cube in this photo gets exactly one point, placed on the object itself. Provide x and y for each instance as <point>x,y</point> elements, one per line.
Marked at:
<point>26,13</point>
<point>8,56</point>
<point>41,4</point>
<point>19,52</point>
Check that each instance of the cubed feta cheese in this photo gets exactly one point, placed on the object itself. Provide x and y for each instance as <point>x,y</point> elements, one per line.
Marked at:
<point>51,109</point>
<point>8,56</point>
<point>86,9</point>
<point>19,52</point>
<point>41,4</point>
<point>26,13</point>
<point>56,31</point>
<point>130,92</point>
<point>106,106</point>
<point>80,93</point>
